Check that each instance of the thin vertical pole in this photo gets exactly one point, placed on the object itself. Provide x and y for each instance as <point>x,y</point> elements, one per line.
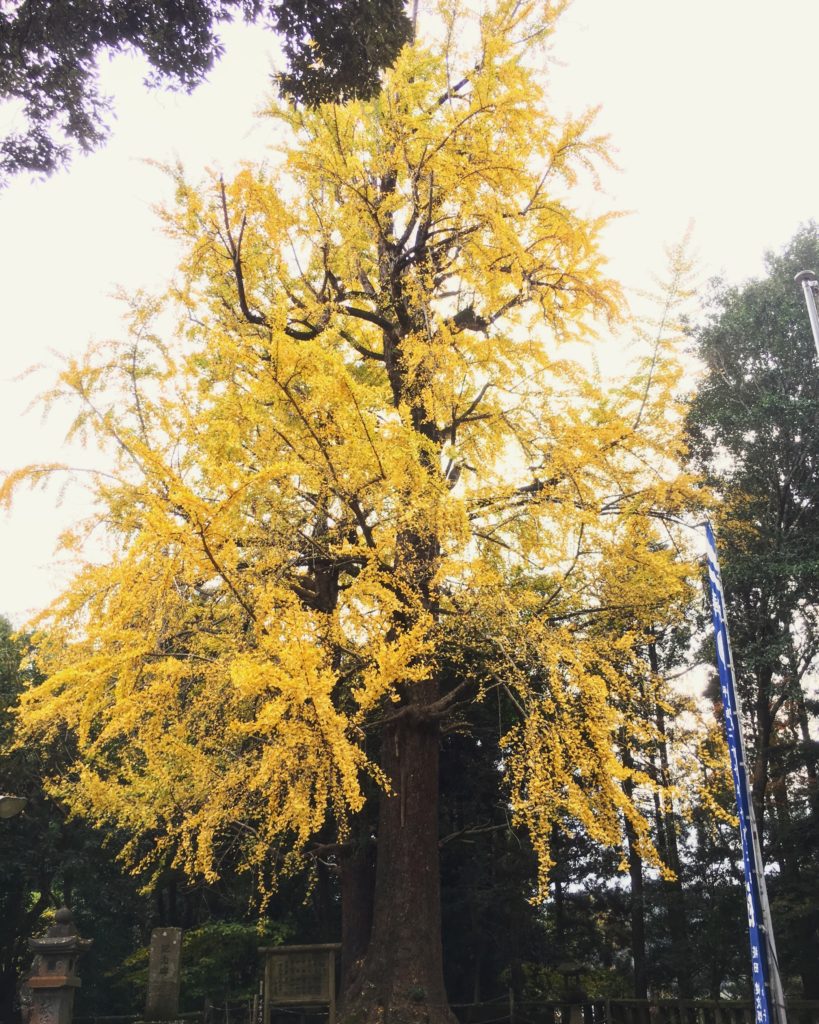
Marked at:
<point>268,968</point>
<point>809,283</point>
<point>331,979</point>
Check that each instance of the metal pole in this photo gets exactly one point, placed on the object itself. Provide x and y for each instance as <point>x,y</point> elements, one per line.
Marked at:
<point>810,283</point>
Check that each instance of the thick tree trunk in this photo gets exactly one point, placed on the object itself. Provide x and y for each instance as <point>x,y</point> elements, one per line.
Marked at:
<point>401,978</point>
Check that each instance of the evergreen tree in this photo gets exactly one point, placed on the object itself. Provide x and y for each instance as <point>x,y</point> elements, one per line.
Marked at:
<point>754,431</point>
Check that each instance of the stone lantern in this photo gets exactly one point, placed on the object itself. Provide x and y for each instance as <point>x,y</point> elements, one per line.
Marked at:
<point>53,977</point>
<point>573,991</point>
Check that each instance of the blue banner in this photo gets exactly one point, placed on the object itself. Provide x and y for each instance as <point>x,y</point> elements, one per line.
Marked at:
<point>751,857</point>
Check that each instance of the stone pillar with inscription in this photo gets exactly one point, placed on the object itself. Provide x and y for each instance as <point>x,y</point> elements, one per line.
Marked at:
<point>53,979</point>
<point>163,974</point>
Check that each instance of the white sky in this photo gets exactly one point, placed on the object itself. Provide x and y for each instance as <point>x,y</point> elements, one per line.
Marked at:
<point>710,103</point>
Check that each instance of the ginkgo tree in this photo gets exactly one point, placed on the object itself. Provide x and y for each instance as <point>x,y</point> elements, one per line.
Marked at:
<point>359,488</point>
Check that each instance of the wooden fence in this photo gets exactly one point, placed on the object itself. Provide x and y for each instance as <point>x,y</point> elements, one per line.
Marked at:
<point>627,1011</point>
<point>506,1011</point>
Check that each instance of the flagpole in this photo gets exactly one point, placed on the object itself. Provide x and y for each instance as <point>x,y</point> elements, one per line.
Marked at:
<point>809,283</point>
<point>769,999</point>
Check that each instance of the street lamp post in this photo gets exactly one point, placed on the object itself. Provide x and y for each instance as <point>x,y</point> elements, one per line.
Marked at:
<point>810,283</point>
<point>11,805</point>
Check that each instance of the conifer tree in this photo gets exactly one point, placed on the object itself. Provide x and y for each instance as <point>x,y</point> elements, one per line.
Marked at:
<point>360,490</point>
<point>753,436</point>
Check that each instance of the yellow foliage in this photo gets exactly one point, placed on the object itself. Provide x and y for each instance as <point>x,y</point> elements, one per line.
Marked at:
<point>359,478</point>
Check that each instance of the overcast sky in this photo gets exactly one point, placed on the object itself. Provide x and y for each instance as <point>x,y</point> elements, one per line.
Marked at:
<point>711,105</point>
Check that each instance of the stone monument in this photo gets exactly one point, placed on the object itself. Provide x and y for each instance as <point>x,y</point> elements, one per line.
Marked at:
<point>53,979</point>
<point>163,974</point>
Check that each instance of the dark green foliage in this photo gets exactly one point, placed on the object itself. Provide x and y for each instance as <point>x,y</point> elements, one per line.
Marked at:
<point>754,429</point>
<point>715,907</point>
<point>220,963</point>
<point>488,872</point>
<point>497,935</point>
<point>587,920</point>
<point>351,42</point>
<point>225,953</point>
<point>47,860</point>
<point>49,54</point>
<point>29,842</point>
<point>754,432</point>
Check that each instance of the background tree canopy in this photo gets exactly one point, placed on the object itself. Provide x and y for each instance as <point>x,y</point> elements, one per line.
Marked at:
<point>754,434</point>
<point>49,54</point>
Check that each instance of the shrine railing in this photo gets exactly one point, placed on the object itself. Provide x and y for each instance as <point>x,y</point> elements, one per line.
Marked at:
<point>626,1011</point>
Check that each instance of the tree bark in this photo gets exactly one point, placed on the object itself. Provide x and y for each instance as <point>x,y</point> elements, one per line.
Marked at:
<point>357,871</point>
<point>638,918</point>
<point>803,918</point>
<point>807,743</point>
<point>8,992</point>
<point>669,850</point>
<point>401,978</point>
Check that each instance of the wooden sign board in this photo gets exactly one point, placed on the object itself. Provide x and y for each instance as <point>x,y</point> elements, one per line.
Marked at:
<point>300,976</point>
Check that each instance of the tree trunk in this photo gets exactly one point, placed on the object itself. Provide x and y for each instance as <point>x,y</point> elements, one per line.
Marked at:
<point>357,871</point>
<point>802,923</point>
<point>401,979</point>
<point>638,912</point>
<point>8,991</point>
<point>638,918</point>
<point>760,769</point>
<point>669,850</point>
<point>807,744</point>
